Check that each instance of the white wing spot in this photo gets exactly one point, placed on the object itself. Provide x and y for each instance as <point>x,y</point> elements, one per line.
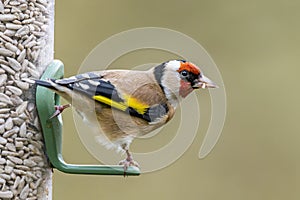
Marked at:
<point>84,86</point>
<point>92,82</point>
<point>85,75</point>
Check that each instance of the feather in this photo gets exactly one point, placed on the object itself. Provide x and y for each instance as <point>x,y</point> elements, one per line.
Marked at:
<point>104,92</point>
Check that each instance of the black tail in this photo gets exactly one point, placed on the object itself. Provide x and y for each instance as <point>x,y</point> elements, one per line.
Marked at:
<point>44,83</point>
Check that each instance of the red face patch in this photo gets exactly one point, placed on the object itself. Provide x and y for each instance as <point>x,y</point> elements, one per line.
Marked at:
<point>190,67</point>
<point>185,88</point>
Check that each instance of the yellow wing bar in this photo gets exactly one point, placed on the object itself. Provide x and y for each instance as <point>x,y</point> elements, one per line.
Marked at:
<point>132,102</point>
<point>110,102</point>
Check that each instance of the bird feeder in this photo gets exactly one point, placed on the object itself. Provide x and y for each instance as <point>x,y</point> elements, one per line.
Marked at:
<point>52,131</point>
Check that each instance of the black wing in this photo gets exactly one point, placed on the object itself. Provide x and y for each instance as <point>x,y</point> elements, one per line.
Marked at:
<point>91,85</point>
<point>96,87</point>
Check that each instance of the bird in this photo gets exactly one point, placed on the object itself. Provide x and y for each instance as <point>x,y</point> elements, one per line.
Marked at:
<point>128,103</point>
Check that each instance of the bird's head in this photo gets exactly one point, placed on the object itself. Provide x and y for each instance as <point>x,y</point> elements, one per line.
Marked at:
<point>178,78</point>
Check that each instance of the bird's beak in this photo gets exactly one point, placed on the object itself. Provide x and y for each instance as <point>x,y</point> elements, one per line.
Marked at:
<point>204,82</point>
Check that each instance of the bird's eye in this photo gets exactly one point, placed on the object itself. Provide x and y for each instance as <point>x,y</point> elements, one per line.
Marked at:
<point>184,73</point>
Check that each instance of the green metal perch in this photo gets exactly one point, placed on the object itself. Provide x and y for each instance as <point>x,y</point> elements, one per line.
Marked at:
<point>52,131</point>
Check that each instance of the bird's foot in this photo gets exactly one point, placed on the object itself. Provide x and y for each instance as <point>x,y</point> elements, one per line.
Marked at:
<point>59,109</point>
<point>128,162</point>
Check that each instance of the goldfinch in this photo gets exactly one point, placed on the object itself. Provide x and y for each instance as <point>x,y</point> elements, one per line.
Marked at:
<point>128,103</point>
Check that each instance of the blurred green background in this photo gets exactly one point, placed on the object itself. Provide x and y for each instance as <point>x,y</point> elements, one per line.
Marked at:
<point>256,47</point>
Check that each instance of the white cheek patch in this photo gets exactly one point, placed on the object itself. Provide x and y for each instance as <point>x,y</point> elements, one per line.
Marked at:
<point>172,88</point>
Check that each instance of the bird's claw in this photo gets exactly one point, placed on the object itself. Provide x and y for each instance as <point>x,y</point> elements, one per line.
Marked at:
<point>59,109</point>
<point>127,163</point>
